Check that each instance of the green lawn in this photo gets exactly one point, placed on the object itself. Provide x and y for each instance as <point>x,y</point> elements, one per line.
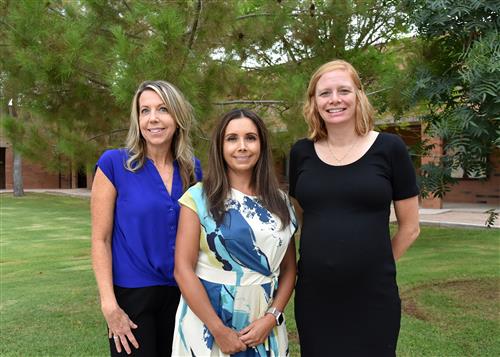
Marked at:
<point>449,283</point>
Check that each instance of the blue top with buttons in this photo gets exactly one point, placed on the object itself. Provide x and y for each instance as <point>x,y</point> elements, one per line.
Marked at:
<point>145,221</point>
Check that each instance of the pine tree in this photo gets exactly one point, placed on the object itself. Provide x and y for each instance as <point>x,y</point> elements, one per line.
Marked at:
<point>73,66</point>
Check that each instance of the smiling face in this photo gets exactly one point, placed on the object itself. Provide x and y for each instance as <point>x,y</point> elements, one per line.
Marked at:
<point>335,97</point>
<point>156,124</point>
<point>241,146</point>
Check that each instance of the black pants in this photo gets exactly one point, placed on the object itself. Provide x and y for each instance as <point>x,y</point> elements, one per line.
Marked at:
<point>153,310</point>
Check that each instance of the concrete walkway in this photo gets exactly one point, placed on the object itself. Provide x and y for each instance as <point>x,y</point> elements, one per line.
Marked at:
<point>74,192</point>
<point>451,215</point>
<point>458,217</point>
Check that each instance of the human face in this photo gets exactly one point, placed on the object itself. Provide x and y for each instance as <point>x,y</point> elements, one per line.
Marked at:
<point>241,146</point>
<point>336,97</point>
<point>156,124</point>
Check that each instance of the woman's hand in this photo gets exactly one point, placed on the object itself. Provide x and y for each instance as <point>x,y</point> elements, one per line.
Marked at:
<point>258,331</point>
<point>193,292</point>
<point>102,208</point>
<point>228,341</point>
<point>119,328</point>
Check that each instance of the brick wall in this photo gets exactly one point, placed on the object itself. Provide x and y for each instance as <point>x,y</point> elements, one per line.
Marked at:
<point>34,176</point>
<point>433,157</point>
<point>479,191</point>
<point>410,134</point>
<point>467,190</point>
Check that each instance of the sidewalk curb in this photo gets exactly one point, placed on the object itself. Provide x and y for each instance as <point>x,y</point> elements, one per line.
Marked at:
<point>478,223</point>
<point>448,224</point>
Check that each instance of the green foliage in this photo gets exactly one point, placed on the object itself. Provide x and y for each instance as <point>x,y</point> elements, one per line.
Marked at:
<point>492,217</point>
<point>72,66</point>
<point>457,75</point>
<point>435,179</point>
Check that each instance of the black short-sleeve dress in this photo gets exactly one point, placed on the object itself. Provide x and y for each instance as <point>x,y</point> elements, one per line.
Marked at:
<point>346,298</point>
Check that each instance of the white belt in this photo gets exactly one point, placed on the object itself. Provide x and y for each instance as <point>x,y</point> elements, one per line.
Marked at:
<point>220,276</point>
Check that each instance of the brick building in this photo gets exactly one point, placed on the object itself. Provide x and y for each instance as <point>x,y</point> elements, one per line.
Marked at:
<point>34,175</point>
<point>480,190</point>
<point>468,190</point>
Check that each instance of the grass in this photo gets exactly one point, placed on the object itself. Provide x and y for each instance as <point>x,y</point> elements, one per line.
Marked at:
<point>450,287</point>
<point>449,284</point>
<point>48,299</point>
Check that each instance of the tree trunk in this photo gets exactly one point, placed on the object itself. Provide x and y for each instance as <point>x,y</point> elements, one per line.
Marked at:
<point>18,175</point>
<point>17,170</point>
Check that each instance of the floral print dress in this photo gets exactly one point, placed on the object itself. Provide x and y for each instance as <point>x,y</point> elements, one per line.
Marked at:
<point>238,264</point>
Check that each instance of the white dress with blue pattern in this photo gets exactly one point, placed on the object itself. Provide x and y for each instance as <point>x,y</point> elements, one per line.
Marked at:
<point>238,264</point>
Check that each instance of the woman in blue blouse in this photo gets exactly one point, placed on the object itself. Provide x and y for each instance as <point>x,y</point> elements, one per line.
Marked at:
<point>134,221</point>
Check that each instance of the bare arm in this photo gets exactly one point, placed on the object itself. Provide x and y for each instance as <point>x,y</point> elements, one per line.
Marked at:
<point>102,206</point>
<point>408,225</point>
<point>286,281</point>
<point>186,257</point>
<point>258,330</point>
<point>299,212</point>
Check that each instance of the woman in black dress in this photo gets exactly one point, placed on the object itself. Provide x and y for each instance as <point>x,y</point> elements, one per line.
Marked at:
<point>343,178</point>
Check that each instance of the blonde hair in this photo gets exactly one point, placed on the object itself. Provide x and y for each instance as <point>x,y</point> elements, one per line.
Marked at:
<point>364,110</point>
<point>182,113</point>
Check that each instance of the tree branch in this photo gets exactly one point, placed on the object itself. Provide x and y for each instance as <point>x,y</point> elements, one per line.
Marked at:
<point>90,76</point>
<point>368,28</point>
<point>13,29</point>
<point>192,32</point>
<point>243,101</point>
<point>369,40</point>
<point>126,5</point>
<point>380,90</point>
<point>288,49</point>
<point>194,26</point>
<point>50,9</point>
<point>108,133</point>
<point>362,33</point>
<point>253,15</point>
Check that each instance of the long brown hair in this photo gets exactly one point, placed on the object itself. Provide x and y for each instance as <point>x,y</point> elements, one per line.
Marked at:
<point>182,113</point>
<point>216,185</point>
<point>364,110</point>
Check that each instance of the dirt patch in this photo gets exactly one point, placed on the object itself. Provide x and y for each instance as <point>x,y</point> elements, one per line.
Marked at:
<point>293,336</point>
<point>410,307</point>
<point>483,294</point>
<point>484,289</point>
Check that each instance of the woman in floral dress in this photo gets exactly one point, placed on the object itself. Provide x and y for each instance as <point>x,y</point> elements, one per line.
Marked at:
<point>235,256</point>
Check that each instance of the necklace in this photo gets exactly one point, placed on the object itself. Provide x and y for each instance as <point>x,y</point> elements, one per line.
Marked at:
<point>345,155</point>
